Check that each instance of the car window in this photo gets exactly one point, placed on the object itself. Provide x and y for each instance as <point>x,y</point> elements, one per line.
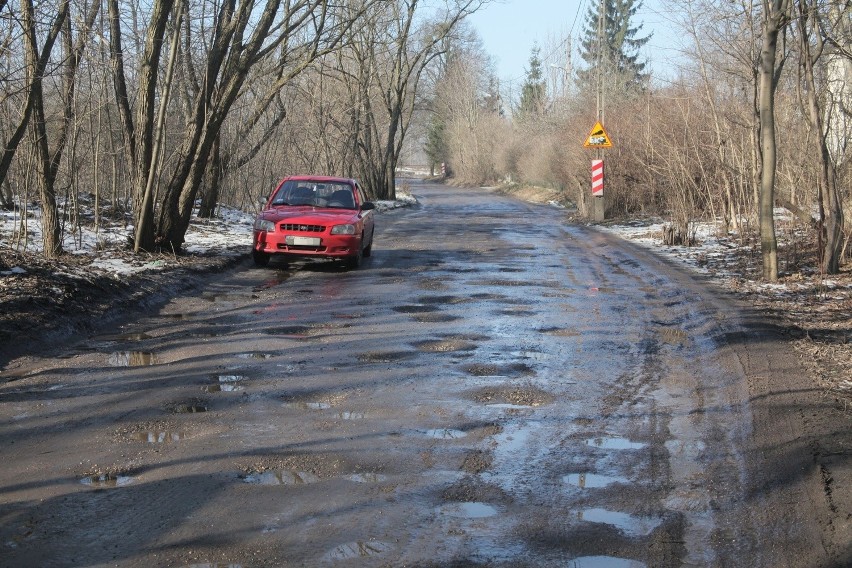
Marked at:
<point>316,194</point>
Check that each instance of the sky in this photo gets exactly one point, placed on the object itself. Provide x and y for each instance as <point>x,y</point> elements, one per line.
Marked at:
<point>509,30</point>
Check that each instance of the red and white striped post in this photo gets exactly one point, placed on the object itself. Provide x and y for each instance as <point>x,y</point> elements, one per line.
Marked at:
<point>597,178</point>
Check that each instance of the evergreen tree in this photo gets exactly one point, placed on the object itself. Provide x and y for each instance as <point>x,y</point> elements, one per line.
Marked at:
<point>534,91</point>
<point>618,52</point>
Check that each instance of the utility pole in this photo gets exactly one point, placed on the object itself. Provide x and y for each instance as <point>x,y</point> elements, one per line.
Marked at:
<point>598,205</point>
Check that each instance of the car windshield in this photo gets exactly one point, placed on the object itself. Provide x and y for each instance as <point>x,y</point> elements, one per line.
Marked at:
<point>316,194</point>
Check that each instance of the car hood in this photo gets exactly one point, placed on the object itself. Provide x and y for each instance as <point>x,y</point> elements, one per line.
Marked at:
<point>310,215</point>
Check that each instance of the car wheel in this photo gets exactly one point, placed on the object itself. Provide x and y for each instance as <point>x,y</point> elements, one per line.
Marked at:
<point>368,251</point>
<point>260,258</point>
<point>354,262</point>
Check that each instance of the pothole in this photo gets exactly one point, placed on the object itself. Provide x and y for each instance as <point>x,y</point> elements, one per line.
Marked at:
<point>560,331</point>
<point>225,383</point>
<point>132,359</point>
<point>255,355</point>
<point>434,318</point>
<point>445,345</point>
<point>366,477</point>
<point>493,370</point>
<point>628,524</point>
<point>441,300</point>
<point>605,562</point>
<point>609,443</point>
<point>468,510</point>
<point>107,480</point>
<point>298,331</point>
<point>385,356</point>
<point>445,434</point>
<point>159,437</point>
<point>416,308</point>
<point>471,489</point>
<point>281,477</point>
<point>591,480</point>
<point>358,549</point>
<point>516,395</point>
<point>188,407</point>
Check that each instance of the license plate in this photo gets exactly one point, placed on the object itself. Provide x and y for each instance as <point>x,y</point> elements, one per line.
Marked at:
<point>303,241</point>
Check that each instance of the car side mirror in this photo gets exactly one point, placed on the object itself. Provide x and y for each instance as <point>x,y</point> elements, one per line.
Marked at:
<point>367,205</point>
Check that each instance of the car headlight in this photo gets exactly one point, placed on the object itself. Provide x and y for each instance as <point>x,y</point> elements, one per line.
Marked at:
<point>264,225</point>
<point>343,230</point>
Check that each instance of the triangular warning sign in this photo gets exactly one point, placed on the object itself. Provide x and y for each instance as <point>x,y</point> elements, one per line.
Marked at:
<point>598,138</point>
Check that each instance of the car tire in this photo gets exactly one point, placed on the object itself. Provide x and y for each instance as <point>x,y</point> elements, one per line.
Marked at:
<point>368,251</point>
<point>260,258</point>
<point>354,262</point>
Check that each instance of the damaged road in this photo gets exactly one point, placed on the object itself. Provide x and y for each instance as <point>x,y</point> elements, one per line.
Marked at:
<point>494,387</point>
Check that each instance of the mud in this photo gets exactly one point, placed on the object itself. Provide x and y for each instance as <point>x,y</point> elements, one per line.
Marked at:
<point>533,394</point>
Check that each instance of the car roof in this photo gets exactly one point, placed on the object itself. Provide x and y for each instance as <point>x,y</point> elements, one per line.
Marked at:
<point>325,179</point>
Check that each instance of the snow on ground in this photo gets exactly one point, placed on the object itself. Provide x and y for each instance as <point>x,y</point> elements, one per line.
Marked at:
<point>229,234</point>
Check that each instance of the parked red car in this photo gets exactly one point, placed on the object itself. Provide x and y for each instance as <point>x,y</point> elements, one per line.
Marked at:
<point>315,217</point>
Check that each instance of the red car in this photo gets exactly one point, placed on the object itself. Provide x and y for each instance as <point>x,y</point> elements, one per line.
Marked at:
<point>315,217</point>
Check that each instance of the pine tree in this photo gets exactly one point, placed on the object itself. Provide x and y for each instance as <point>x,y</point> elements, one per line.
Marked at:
<point>534,91</point>
<point>618,52</point>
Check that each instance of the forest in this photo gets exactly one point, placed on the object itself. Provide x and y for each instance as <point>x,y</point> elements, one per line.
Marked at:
<point>155,112</point>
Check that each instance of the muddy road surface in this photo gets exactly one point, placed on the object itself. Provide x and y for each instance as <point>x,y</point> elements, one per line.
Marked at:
<point>493,387</point>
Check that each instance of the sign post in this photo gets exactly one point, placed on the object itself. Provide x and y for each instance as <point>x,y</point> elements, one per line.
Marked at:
<point>598,139</point>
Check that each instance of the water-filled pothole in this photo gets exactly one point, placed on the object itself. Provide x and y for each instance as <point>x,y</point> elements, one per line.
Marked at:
<point>359,549</point>
<point>366,477</point>
<point>591,480</point>
<point>492,370</point>
<point>307,405</point>
<point>515,395</point>
<point>416,308</point>
<point>604,562</point>
<point>445,345</point>
<point>606,443</point>
<point>281,477</point>
<point>385,356</point>
<point>469,510</point>
<point>445,433</point>
<point>255,355</point>
<point>159,437</point>
<point>107,480</point>
<point>628,524</point>
<point>297,331</point>
<point>132,359</point>
<point>434,318</point>
<point>351,415</point>
<point>225,383</point>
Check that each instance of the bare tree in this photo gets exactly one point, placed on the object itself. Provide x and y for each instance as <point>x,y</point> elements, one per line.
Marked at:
<point>776,14</point>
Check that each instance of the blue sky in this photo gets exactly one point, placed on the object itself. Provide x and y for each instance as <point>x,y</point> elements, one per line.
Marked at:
<point>510,28</point>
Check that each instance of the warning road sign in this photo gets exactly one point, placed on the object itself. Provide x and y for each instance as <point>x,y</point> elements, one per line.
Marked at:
<point>598,138</point>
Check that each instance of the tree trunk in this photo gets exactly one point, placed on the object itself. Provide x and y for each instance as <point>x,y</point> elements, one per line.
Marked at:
<point>775,16</point>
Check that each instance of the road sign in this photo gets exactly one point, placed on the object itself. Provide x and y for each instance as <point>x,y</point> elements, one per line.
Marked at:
<point>598,138</point>
<point>597,178</point>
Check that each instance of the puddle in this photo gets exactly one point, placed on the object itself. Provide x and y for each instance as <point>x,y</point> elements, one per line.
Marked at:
<point>107,480</point>
<point>255,355</point>
<point>366,477</point>
<point>491,370</point>
<point>604,562</point>
<point>591,480</point>
<point>436,300</point>
<point>445,434</point>
<point>123,337</point>
<point>299,331</point>
<point>159,437</point>
<point>514,395</point>
<point>560,331</point>
<point>307,405</point>
<point>416,309</point>
<point>445,345</point>
<point>469,510</point>
<point>434,318</point>
<point>614,444</point>
<point>131,359</point>
<point>630,525</point>
<point>351,415</point>
<point>359,549</point>
<point>281,477</point>
<point>385,357</point>
<point>189,408</point>
<point>225,383</point>
<point>223,388</point>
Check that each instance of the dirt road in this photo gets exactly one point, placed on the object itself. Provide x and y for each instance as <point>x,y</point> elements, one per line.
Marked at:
<point>494,387</point>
